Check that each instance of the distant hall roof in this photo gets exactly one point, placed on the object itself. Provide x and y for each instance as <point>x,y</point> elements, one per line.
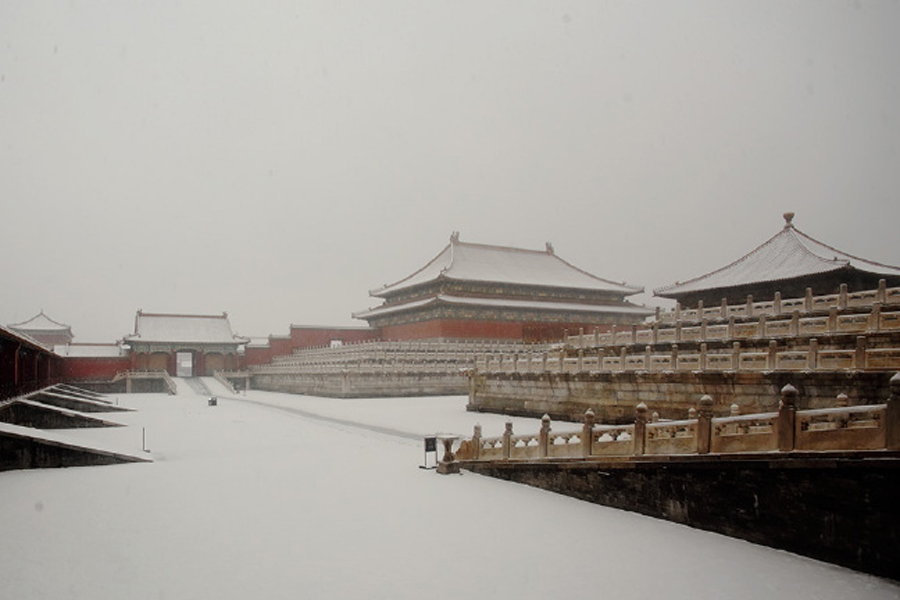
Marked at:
<point>41,322</point>
<point>196,329</point>
<point>789,254</point>
<point>462,261</point>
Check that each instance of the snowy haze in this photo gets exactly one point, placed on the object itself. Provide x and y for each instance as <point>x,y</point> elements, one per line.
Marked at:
<point>277,160</point>
<point>253,499</point>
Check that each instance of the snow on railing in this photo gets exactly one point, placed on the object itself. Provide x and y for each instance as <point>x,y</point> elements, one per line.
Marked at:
<point>390,357</point>
<point>735,358</point>
<point>843,428</point>
<point>128,376</point>
<point>778,318</point>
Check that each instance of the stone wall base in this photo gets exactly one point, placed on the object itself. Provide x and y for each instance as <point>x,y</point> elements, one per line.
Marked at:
<point>613,396</point>
<point>350,385</point>
<point>839,508</point>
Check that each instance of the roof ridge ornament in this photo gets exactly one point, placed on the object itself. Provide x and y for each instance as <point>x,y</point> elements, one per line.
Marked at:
<point>788,218</point>
<point>549,248</point>
<point>454,237</point>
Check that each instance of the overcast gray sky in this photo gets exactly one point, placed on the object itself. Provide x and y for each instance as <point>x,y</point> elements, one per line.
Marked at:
<point>277,160</point>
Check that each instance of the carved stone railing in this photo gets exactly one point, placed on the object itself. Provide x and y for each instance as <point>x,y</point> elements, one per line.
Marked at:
<point>809,303</point>
<point>864,312</point>
<point>843,428</point>
<point>735,358</point>
<point>129,376</point>
<point>389,357</point>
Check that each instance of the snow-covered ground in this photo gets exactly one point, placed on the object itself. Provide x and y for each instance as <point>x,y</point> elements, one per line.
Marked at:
<point>256,498</point>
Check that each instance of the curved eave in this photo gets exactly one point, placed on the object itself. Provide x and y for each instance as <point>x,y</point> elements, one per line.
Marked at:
<point>548,307</point>
<point>410,280</point>
<point>137,339</point>
<point>673,293</point>
<point>613,288</point>
<point>788,255</point>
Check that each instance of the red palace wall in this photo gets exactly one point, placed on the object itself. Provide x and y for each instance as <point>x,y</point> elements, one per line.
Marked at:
<point>313,337</point>
<point>305,337</point>
<point>454,329</point>
<point>506,330</point>
<point>90,368</point>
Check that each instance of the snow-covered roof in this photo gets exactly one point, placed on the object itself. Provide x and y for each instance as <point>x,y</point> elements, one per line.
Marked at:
<point>90,350</point>
<point>23,337</point>
<point>43,323</point>
<point>197,329</point>
<point>537,305</point>
<point>787,255</point>
<point>463,261</point>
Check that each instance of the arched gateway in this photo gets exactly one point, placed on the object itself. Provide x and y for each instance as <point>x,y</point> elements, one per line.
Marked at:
<point>184,345</point>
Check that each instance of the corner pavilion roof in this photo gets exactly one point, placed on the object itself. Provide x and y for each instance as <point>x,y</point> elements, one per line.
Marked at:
<point>789,254</point>
<point>41,322</point>
<point>462,261</point>
<point>196,329</point>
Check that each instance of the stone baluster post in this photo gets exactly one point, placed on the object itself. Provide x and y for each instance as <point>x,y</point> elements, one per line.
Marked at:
<point>704,425</point>
<point>736,356</point>
<point>859,357</point>
<point>730,333</point>
<point>476,443</point>
<point>749,309</point>
<point>623,354</point>
<point>614,331</point>
<point>812,360</point>
<point>776,304</point>
<point>507,440</point>
<point>678,331</point>
<point>831,324</point>
<point>692,413</point>
<point>875,317</point>
<point>881,295</point>
<point>647,358</point>
<point>892,416</point>
<point>724,308</point>
<point>544,437</point>
<point>703,351</point>
<point>734,410</point>
<point>808,300</point>
<point>700,308</point>
<point>655,327</point>
<point>704,324</point>
<point>795,323</point>
<point>640,429</point>
<point>581,360</point>
<point>581,337</point>
<point>761,328</point>
<point>843,297</point>
<point>787,414</point>
<point>673,359</point>
<point>843,400</point>
<point>587,433</point>
<point>677,311</point>
<point>772,357</point>
<point>634,334</point>
<point>597,336</point>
